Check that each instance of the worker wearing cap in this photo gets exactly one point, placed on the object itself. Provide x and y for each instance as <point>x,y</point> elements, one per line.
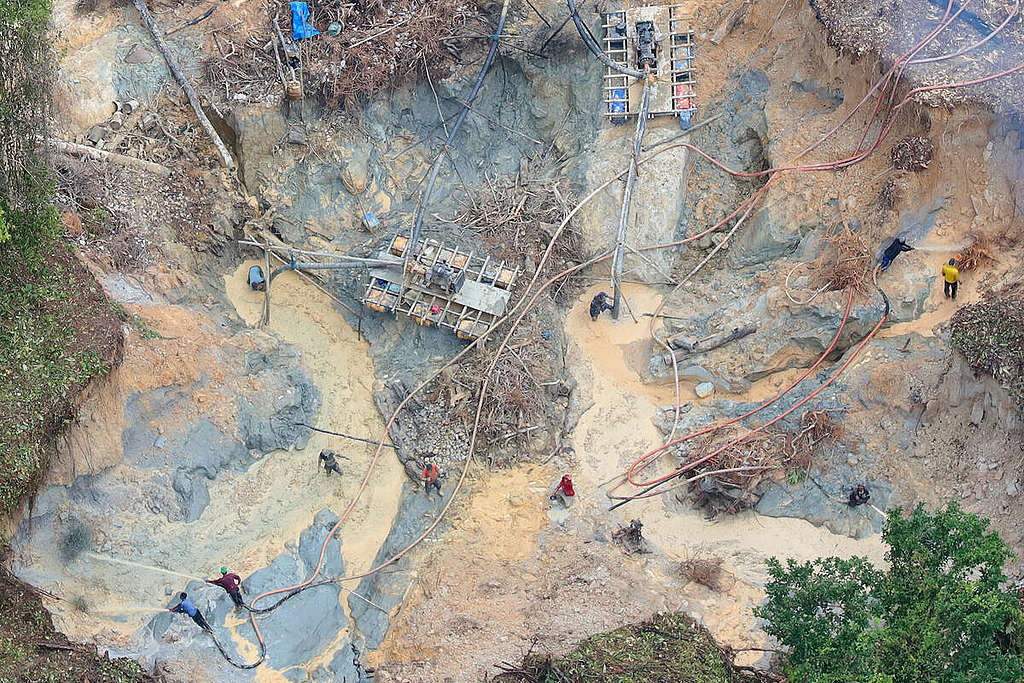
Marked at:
<point>329,460</point>
<point>599,304</point>
<point>256,280</point>
<point>952,278</point>
<point>231,583</point>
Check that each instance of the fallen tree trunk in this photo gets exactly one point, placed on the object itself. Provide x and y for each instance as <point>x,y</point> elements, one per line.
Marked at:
<point>712,342</point>
<point>100,155</point>
<point>190,92</point>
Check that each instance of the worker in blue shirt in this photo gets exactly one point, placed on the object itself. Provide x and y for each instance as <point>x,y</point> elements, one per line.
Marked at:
<point>186,607</point>
<point>256,280</point>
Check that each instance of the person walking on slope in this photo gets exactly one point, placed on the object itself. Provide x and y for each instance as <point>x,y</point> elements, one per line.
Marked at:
<point>599,304</point>
<point>330,462</point>
<point>186,607</point>
<point>897,247</point>
<point>951,277</point>
<point>564,492</point>
<point>231,583</point>
<point>431,477</point>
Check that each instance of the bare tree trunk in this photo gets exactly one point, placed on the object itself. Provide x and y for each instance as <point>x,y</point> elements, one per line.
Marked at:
<point>713,342</point>
<point>190,92</point>
<point>100,155</point>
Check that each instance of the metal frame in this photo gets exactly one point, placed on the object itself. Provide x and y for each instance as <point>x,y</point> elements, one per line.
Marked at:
<point>389,290</point>
<point>675,83</point>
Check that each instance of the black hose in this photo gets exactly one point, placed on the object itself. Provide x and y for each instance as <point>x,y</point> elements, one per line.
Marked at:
<point>429,189</point>
<point>596,49</point>
<point>347,436</point>
<point>263,655</point>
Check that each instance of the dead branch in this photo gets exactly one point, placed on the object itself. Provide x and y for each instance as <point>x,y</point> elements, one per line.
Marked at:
<point>190,92</point>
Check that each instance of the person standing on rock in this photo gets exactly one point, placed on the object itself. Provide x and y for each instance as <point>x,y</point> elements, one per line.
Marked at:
<point>951,277</point>
<point>330,462</point>
<point>564,493</point>
<point>231,583</point>
<point>186,607</point>
<point>431,477</point>
<point>599,304</point>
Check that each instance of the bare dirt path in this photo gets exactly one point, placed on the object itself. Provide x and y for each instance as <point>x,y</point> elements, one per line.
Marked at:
<point>618,428</point>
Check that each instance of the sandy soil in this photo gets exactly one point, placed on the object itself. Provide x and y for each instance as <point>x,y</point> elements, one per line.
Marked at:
<point>514,575</point>
<point>341,368</point>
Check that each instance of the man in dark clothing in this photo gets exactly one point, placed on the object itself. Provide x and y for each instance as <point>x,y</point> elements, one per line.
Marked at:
<point>897,247</point>
<point>256,280</point>
<point>328,458</point>
<point>599,304</point>
<point>231,583</point>
<point>186,607</point>
<point>859,496</point>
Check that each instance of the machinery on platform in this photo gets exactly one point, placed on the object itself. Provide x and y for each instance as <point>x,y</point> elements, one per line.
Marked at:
<point>440,286</point>
<point>656,40</point>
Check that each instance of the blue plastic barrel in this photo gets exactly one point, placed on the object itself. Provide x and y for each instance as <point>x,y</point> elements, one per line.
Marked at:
<point>618,106</point>
<point>684,119</point>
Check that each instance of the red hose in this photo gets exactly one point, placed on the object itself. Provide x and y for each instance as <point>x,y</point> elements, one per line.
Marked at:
<point>643,461</point>
<point>740,439</point>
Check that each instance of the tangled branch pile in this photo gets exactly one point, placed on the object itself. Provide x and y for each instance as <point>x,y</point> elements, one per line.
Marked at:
<point>380,45</point>
<point>514,409</point>
<point>971,256</point>
<point>706,570</point>
<point>844,262</point>
<point>517,219</point>
<point>990,335</point>
<point>736,473</point>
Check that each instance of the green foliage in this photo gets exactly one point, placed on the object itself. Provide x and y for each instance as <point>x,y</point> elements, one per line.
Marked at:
<point>26,80</point>
<point>939,613</point>
<point>669,647</point>
<point>24,623</point>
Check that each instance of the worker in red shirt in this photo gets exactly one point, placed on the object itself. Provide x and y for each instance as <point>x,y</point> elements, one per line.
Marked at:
<point>231,583</point>
<point>432,477</point>
<point>564,491</point>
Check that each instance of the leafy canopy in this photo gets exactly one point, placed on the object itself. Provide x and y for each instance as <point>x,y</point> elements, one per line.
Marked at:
<point>940,612</point>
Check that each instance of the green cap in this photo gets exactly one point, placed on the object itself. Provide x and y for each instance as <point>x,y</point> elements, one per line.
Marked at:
<point>223,570</point>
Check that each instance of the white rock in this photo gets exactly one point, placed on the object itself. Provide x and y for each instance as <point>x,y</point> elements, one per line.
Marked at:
<point>705,389</point>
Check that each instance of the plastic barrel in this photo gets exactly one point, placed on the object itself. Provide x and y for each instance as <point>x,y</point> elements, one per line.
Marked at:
<point>618,106</point>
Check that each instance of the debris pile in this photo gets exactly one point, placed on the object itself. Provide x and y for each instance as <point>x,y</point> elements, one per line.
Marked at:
<point>972,256</point>
<point>515,409</point>
<point>990,335</point>
<point>845,261</point>
<point>731,480</point>
<point>912,153</point>
<point>706,570</point>
<point>517,217</point>
<point>631,538</point>
<point>361,49</point>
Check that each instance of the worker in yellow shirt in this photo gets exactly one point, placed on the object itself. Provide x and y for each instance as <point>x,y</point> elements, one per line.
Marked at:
<point>952,278</point>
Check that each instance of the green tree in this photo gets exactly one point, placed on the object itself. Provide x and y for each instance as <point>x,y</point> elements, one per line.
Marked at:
<point>27,217</point>
<point>941,612</point>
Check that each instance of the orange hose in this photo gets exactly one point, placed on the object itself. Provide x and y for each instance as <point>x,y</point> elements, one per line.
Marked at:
<point>740,439</point>
<point>644,461</point>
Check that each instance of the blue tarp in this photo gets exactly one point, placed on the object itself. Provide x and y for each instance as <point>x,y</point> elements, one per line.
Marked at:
<point>301,27</point>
